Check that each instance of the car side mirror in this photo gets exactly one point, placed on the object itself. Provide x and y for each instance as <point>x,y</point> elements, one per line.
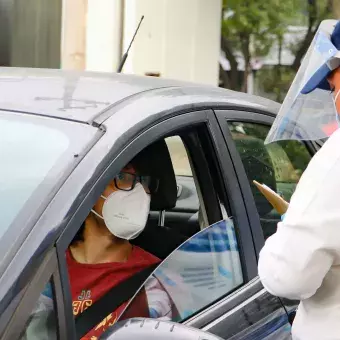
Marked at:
<point>153,329</point>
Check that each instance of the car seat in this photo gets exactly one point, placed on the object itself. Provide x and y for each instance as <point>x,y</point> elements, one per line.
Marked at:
<point>158,239</point>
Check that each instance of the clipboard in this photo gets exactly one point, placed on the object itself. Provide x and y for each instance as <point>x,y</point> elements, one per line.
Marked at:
<point>278,203</point>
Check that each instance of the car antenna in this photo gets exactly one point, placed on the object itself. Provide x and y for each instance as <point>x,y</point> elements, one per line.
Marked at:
<point>122,62</point>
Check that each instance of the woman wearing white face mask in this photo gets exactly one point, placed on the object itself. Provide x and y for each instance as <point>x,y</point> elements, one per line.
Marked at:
<point>103,256</point>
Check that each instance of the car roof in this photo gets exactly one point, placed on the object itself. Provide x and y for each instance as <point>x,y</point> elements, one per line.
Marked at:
<point>84,96</point>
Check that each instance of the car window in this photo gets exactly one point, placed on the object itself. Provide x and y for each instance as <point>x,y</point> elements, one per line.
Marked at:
<point>279,165</point>
<point>156,242</point>
<point>42,321</point>
<point>202,270</point>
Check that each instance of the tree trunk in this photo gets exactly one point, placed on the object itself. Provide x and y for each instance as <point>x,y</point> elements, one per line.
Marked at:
<point>303,49</point>
<point>225,78</point>
<point>336,8</point>
<point>314,21</point>
<point>245,41</point>
<point>226,47</point>
<point>279,71</point>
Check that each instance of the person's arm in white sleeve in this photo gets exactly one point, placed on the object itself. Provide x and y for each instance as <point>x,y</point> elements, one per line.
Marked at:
<point>295,260</point>
<point>158,300</point>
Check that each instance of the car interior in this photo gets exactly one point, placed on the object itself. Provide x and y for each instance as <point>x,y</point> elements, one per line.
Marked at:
<point>169,223</point>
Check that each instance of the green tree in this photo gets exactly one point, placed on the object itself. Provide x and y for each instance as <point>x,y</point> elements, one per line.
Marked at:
<point>250,28</point>
<point>312,12</point>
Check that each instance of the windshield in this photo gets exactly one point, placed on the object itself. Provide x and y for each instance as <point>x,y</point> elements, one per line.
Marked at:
<point>34,152</point>
<point>28,152</point>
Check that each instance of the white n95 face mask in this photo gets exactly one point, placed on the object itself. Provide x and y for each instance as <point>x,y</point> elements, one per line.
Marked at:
<point>125,213</point>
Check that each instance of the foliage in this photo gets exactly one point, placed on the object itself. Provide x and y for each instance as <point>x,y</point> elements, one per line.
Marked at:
<point>259,21</point>
<point>251,27</point>
<point>269,81</point>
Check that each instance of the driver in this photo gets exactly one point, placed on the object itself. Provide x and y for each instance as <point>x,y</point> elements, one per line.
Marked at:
<point>101,256</point>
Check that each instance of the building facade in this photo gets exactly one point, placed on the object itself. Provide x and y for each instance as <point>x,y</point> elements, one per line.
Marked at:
<point>177,39</point>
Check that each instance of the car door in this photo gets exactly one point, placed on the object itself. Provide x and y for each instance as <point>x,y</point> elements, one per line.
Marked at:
<point>244,310</point>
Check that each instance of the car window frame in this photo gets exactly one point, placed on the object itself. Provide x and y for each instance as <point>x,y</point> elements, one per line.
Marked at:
<point>232,188</point>
<point>48,271</point>
<point>255,117</point>
<point>159,129</point>
<point>202,177</point>
<point>226,176</point>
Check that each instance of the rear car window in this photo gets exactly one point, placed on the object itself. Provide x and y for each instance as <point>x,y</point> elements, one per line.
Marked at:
<point>34,152</point>
<point>279,165</point>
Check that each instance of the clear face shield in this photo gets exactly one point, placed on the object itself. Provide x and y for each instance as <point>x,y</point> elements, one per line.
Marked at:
<point>308,111</point>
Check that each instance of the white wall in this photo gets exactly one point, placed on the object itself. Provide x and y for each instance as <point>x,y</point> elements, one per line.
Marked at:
<point>180,39</point>
<point>104,34</point>
<point>73,34</point>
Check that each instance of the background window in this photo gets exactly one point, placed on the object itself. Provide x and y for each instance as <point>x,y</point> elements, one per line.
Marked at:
<point>179,156</point>
<point>278,165</point>
<point>185,217</point>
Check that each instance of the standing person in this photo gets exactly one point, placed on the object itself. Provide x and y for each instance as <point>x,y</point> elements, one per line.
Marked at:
<point>301,261</point>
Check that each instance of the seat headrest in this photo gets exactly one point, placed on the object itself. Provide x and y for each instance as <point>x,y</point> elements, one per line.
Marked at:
<point>155,161</point>
<point>258,166</point>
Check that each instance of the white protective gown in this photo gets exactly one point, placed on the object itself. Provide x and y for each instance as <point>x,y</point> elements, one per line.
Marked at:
<point>301,261</point>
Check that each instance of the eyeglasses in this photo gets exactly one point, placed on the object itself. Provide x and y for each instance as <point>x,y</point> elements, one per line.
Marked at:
<point>126,181</point>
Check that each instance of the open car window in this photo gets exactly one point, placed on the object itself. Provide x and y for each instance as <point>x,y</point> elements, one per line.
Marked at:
<point>202,270</point>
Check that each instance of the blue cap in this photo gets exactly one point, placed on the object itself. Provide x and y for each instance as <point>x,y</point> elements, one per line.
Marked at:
<point>319,78</point>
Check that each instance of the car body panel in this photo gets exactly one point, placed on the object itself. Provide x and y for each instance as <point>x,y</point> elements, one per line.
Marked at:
<point>249,313</point>
<point>86,96</point>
